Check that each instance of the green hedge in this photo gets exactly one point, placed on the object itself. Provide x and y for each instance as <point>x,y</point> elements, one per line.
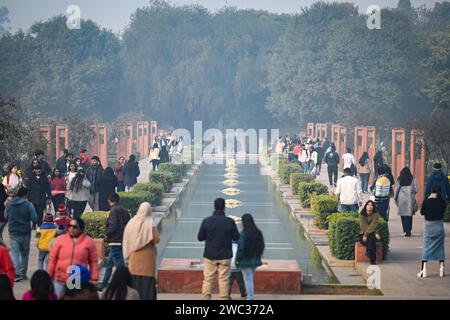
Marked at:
<point>296,178</point>
<point>343,232</point>
<point>95,223</point>
<point>154,191</point>
<point>322,206</point>
<point>307,189</point>
<point>287,169</point>
<point>447,214</point>
<point>179,170</point>
<point>132,200</point>
<point>164,178</point>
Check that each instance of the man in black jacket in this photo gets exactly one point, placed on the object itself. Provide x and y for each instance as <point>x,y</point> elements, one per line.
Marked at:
<point>332,161</point>
<point>218,232</point>
<point>94,174</point>
<point>115,226</point>
<point>39,192</point>
<point>45,167</point>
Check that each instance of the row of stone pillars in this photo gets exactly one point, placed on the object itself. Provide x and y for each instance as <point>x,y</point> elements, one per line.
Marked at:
<point>144,134</point>
<point>365,141</point>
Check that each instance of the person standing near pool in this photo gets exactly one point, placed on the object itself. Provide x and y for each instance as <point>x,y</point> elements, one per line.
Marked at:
<point>218,231</point>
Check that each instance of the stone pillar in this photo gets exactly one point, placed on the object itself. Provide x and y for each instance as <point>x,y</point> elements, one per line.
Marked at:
<point>125,141</point>
<point>342,143</point>
<point>398,151</point>
<point>46,131</point>
<point>310,129</point>
<point>321,130</point>
<point>371,141</point>
<point>142,138</point>
<point>62,139</point>
<point>154,131</point>
<point>99,146</point>
<point>417,159</point>
<point>360,142</point>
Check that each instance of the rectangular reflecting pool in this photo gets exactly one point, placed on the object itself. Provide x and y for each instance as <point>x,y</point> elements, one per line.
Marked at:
<point>257,195</point>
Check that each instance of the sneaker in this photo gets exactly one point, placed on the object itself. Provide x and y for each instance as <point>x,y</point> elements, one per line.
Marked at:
<point>408,234</point>
<point>23,278</point>
<point>17,279</point>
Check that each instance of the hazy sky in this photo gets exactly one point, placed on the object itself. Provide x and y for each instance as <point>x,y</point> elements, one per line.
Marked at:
<point>115,14</point>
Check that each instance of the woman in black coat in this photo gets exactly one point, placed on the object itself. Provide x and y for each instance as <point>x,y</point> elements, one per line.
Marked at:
<point>108,184</point>
<point>130,173</point>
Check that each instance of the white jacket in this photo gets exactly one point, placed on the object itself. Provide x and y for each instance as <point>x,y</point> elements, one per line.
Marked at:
<point>349,190</point>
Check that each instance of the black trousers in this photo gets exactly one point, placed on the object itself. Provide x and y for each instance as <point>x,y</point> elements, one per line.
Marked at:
<point>407,222</point>
<point>332,170</point>
<point>371,246</point>
<point>77,208</point>
<point>40,212</point>
<point>120,186</point>
<point>57,200</point>
<point>237,275</point>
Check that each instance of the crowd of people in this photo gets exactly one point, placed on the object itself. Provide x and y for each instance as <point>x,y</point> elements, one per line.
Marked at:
<point>308,152</point>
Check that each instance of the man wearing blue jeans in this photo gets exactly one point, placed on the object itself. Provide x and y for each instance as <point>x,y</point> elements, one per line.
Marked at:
<point>20,214</point>
<point>348,190</point>
<point>115,226</point>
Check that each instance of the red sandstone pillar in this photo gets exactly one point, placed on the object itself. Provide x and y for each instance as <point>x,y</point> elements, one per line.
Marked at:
<point>154,131</point>
<point>142,138</point>
<point>360,142</point>
<point>417,159</point>
<point>310,129</point>
<point>62,139</point>
<point>46,131</point>
<point>398,151</point>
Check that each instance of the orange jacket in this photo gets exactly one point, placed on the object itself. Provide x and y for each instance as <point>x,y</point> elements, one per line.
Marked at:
<point>65,252</point>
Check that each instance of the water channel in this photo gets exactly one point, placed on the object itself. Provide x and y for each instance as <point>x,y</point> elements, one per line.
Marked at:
<point>283,236</point>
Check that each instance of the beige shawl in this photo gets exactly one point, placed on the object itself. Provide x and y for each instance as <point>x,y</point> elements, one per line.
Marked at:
<point>139,230</point>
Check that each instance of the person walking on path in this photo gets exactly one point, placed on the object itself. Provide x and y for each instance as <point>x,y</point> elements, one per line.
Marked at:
<point>12,180</point>
<point>154,156</point>
<point>405,199</point>
<point>39,192</point>
<point>78,194</point>
<point>250,250</point>
<point>218,232</point>
<point>440,179</point>
<point>6,263</point>
<point>108,186</point>
<point>349,192</point>
<point>368,222</point>
<point>46,234</point>
<point>74,247</point>
<point>118,170</point>
<point>20,214</point>
<point>139,249</point>
<point>58,185</point>
<point>433,209</point>
<point>120,287</point>
<point>46,169</point>
<point>63,166</point>
<point>332,161</point>
<point>115,225</point>
<point>131,172</point>
<point>305,158</point>
<point>41,287</point>
<point>383,190</point>
<point>349,161</point>
<point>164,155</point>
<point>3,221</point>
<point>94,174</point>
<point>378,161</point>
<point>320,155</point>
<point>364,171</point>
<point>61,162</point>
<point>71,173</point>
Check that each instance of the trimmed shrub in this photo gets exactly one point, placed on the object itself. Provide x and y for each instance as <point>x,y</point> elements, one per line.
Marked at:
<point>307,189</point>
<point>296,178</point>
<point>164,178</point>
<point>282,161</point>
<point>154,191</point>
<point>95,223</point>
<point>447,214</point>
<point>344,230</point>
<point>287,169</point>
<point>179,170</point>
<point>132,200</point>
<point>322,206</point>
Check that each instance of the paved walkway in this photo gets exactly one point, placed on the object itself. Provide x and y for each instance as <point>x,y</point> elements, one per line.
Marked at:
<point>399,270</point>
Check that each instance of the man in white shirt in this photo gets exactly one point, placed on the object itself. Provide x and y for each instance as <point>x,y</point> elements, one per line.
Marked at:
<point>348,159</point>
<point>349,192</point>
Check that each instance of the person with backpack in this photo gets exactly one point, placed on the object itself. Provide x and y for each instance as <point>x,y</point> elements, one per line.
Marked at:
<point>332,161</point>
<point>46,234</point>
<point>438,178</point>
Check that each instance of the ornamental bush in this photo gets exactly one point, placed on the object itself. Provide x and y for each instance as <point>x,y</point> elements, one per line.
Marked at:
<point>287,169</point>
<point>307,189</point>
<point>132,200</point>
<point>164,178</point>
<point>296,178</point>
<point>95,223</point>
<point>322,206</point>
<point>154,191</point>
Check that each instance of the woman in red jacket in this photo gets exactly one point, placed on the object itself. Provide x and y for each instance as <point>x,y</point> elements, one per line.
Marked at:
<point>74,247</point>
<point>58,185</point>
<point>6,264</point>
